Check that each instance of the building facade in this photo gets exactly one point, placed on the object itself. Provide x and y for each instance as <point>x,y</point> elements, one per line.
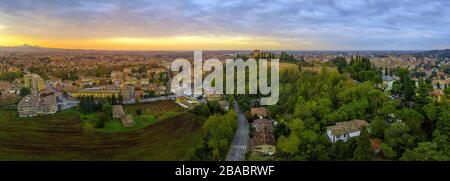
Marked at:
<point>31,106</point>
<point>345,130</point>
<point>128,93</point>
<point>47,105</point>
<point>34,81</point>
<point>28,106</point>
<point>100,92</point>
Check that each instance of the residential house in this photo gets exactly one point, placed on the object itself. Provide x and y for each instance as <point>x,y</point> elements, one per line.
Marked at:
<point>375,144</point>
<point>442,75</point>
<point>224,105</point>
<point>162,89</point>
<point>345,130</point>
<point>388,82</point>
<point>117,75</point>
<point>4,86</point>
<point>156,73</point>
<point>117,111</point>
<point>128,70</point>
<point>127,121</point>
<point>260,112</point>
<point>437,94</point>
<point>441,84</point>
<point>263,141</point>
<point>54,81</point>
<point>89,81</point>
<point>158,89</point>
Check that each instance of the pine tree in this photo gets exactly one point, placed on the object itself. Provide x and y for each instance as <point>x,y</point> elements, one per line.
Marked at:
<point>91,104</point>
<point>113,100</point>
<point>120,99</point>
<point>363,149</point>
<point>423,93</point>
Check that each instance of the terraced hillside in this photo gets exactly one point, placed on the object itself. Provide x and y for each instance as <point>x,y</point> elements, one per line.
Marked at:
<point>64,136</point>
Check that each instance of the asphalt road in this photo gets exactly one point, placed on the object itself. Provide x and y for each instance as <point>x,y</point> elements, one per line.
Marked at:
<point>238,147</point>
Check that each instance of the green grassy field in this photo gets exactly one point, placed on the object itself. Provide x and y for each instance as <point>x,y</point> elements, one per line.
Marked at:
<point>150,114</point>
<point>65,136</point>
<point>286,66</point>
<point>115,125</point>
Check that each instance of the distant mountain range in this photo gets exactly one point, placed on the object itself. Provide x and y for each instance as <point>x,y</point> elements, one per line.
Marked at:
<point>39,49</point>
<point>27,48</point>
<point>24,47</point>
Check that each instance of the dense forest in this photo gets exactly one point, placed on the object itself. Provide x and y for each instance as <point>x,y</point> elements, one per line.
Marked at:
<point>413,128</point>
<point>218,132</point>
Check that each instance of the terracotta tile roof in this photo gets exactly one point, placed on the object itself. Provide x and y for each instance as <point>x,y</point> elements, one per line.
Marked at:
<point>127,121</point>
<point>442,82</point>
<point>117,111</point>
<point>4,85</point>
<point>263,132</point>
<point>259,111</point>
<point>46,101</point>
<point>437,92</point>
<point>29,101</point>
<point>347,127</point>
<point>375,143</point>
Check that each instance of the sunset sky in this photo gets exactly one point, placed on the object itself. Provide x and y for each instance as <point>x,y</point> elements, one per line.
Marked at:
<point>227,25</point>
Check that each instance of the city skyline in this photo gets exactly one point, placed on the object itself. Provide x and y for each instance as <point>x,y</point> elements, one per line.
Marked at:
<point>230,25</point>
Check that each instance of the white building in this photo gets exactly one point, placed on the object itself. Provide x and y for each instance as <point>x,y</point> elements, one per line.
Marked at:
<point>388,82</point>
<point>31,106</point>
<point>441,84</point>
<point>345,130</point>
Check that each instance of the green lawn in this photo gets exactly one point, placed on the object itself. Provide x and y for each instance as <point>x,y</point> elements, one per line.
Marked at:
<point>150,114</point>
<point>140,122</point>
